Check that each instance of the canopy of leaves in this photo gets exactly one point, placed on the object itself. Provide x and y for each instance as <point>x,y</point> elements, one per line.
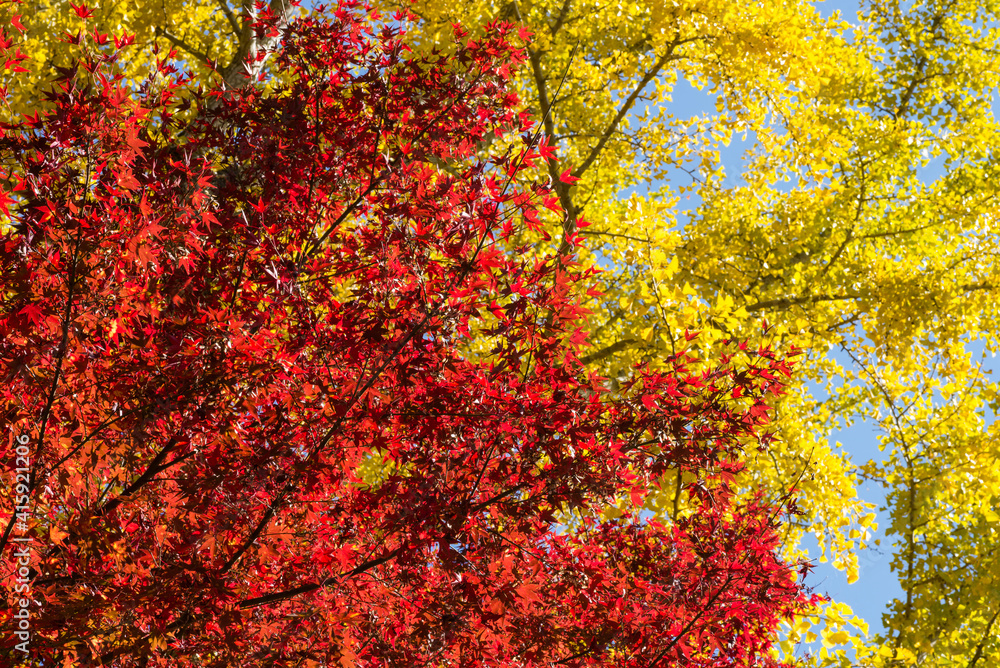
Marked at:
<point>217,307</point>
<point>860,223</point>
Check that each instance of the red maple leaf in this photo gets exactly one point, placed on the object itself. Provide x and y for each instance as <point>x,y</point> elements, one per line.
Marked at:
<point>34,313</point>
<point>82,11</point>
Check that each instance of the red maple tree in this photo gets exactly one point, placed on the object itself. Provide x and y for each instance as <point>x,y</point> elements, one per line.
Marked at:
<point>283,393</point>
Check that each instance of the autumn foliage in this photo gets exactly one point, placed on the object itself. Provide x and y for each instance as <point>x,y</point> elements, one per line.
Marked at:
<point>293,399</point>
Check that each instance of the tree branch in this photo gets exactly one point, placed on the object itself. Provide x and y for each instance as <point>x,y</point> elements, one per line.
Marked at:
<point>792,301</point>
<point>313,586</point>
<point>240,69</point>
<point>625,108</point>
<point>147,475</point>
<point>979,648</point>
<point>553,29</point>
<point>607,351</point>
<point>181,44</point>
<point>237,30</point>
